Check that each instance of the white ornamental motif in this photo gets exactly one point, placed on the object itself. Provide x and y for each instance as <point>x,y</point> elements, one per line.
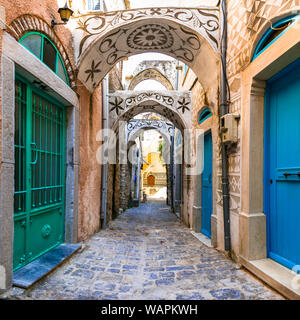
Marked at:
<point>150,36</point>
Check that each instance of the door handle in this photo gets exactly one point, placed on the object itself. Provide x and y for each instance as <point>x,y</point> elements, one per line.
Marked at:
<point>35,147</point>
<point>209,178</point>
<point>286,174</point>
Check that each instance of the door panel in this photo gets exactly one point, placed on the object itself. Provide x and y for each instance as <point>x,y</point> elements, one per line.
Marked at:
<point>46,230</point>
<point>39,174</point>
<point>283,154</point>
<point>207,186</point>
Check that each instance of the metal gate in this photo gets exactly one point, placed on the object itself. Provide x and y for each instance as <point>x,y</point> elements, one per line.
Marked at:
<point>39,173</point>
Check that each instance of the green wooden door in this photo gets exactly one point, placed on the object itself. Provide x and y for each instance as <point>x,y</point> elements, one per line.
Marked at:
<point>39,173</point>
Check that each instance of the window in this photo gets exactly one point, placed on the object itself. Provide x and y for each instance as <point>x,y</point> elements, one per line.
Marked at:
<point>205,114</point>
<point>273,33</point>
<point>93,5</point>
<point>44,49</point>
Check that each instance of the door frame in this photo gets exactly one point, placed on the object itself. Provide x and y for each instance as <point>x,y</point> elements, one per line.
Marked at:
<point>267,152</point>
<point>33,89</point>
<point>15,58</point>
<point>252,219</point>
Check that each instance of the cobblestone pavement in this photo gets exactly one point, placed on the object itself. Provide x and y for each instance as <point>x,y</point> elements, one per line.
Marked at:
<point>147,253</point>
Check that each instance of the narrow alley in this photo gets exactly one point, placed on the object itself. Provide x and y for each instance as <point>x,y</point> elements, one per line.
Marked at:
<point>147,253</point>
<point>149,150</point>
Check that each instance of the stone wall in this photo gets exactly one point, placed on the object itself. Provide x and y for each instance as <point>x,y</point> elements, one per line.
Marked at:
<point>110,192</point>
<point>114,202</point>
<point>125,179</point>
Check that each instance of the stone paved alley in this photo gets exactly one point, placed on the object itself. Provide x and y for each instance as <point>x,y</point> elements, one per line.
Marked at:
<point>147,253</point>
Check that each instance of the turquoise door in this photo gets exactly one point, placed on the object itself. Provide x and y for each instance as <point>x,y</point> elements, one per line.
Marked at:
<point>282,166</point>
<point>207,186</point>
<point>39,173</point>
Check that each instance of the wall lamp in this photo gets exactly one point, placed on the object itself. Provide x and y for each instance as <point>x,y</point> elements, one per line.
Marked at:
<point>65,14</point>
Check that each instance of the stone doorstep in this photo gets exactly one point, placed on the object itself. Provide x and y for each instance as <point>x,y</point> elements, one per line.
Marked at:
<point>202,238</point>
<point>42,266</point>
<point>274,274</point>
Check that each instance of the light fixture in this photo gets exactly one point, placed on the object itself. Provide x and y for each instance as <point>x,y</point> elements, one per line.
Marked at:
<point>65,14</point>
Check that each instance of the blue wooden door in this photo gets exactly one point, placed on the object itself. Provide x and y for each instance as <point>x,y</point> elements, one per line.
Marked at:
<point>282,166</point>
<point>207,186</point>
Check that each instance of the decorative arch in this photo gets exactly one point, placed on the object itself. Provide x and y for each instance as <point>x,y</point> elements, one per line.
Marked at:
<point>135,126</point>
<point>189,35</point>
<point>152,74</point>
<point>173,105</point>
<point>29,23</point>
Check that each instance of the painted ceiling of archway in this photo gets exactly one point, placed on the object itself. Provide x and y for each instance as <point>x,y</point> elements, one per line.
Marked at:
<point>135,126</point>
<point>174,105</point>
<point>101,40</point>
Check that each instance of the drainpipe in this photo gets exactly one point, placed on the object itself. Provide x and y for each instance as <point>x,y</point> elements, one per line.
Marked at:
<point>172,173</point>
<point>224,108</point>
<point>174,177</point>
<point>104,166</point>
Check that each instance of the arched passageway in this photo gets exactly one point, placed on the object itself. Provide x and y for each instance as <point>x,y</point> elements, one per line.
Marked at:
<point>188,35</point>
<point>173,105</point>
<point>191,36</point>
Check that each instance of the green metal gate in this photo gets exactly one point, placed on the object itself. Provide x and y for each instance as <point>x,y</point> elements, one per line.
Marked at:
<point>39,173</point>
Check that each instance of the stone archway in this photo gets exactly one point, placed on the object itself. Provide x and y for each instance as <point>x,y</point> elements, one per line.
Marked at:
<point>176,108</point>
<point>135,126</point>
<point>189,35</point>
<point>150,74</point>
<point>173,105</point>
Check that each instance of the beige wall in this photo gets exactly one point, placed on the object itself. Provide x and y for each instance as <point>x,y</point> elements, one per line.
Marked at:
<point>89,169</point>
